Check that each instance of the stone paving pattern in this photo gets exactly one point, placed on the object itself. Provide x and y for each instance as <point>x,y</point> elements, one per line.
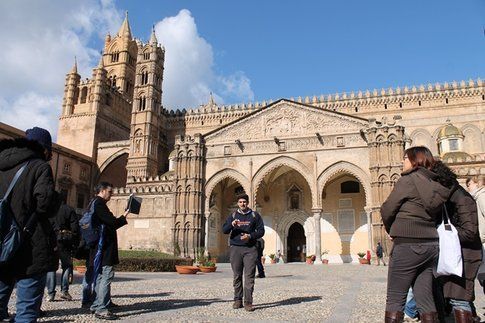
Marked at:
<point>291,292</point>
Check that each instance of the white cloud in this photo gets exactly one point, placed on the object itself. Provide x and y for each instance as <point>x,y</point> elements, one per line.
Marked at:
<point>40,39</point>
<point>189,75</point>
<point>39,42</point>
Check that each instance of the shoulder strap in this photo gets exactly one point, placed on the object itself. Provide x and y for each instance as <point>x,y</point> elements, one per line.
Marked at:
<point>233,214</point>
<point>14,180</point>
<point>445,214</point>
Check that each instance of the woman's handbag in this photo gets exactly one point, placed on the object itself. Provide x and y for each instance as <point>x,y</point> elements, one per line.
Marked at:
<point>450,261</point>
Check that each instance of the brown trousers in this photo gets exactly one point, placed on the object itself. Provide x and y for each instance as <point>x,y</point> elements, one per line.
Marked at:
<point>243,260</point>
<point>412,264</point>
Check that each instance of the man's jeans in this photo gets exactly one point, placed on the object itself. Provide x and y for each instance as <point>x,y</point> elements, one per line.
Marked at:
<point>410,308</point>
<point>243,260</point>
<point>51,281</point>
<point>29,296</point>
<point>103,290</point>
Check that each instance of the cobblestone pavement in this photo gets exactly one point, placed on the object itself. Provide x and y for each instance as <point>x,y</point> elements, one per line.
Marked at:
<point>291,292</point>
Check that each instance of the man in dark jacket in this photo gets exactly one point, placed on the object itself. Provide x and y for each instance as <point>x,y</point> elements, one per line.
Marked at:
<point>102,303</point>
<point>29,201</point>
<point>245,226</point>
<point>66,226</point>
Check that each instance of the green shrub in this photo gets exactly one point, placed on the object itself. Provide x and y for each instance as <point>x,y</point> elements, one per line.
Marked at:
<point>151,264</point>
<point>143,254</point>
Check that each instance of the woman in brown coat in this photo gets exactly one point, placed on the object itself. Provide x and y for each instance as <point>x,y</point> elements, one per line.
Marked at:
<point>410,214</point>
<point>462,211</point>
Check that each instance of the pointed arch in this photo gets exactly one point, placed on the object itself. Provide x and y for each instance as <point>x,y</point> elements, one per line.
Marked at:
<point>219,176</point>
<point>349,168</point>
<point>284,161</point>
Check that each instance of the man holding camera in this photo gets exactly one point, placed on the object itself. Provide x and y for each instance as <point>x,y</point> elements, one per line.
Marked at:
<point>245,227</point>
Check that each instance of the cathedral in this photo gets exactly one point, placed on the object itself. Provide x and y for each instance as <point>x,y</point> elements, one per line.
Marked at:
<point>316,168</point>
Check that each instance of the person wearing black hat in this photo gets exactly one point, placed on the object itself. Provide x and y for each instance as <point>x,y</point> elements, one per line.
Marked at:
<point>245,227</point>
<point>29,200</point>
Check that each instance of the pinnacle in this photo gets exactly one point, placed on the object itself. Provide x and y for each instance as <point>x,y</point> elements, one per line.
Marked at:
<point>153,37</point>
<point>101,63</point>
<point>125,30</point>
<point>74,68</point>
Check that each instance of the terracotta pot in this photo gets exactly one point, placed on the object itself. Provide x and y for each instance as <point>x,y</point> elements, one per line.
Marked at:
<point>207,269</point>
<point>363,261</point>
<point>309,261</point>
<point>325,261</point>
<point>80,269</point>
<point>186,270</point>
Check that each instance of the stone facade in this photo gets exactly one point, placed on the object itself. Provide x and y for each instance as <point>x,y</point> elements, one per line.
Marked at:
<point>316,168</point>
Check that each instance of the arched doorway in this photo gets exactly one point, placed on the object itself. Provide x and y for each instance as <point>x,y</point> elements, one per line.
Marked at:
<point>296,243</point>
<point>115,172</point>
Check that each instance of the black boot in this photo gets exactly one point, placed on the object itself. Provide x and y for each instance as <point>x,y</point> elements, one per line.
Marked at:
<point>393,317</point>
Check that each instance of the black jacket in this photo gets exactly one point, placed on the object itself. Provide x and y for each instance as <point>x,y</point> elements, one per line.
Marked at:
<point>31,197</point>
<point>250,222</point>
<point>414,206</point>
<point>67,219</point>
<point>112,223</point>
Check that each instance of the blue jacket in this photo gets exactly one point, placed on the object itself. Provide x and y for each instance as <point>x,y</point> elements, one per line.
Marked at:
<point>250,222</point>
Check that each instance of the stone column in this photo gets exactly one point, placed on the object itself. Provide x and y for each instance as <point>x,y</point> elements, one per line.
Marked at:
<point>368,212</point>
<point>318,237</point>
<point>206,238</point>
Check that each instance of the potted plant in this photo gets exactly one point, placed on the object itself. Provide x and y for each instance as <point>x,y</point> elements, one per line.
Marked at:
<point>272,257</point>
<point>310,259</point>
<point>324,257</point>
<point>79,265</point>
<point>207,267</point>
<point>362,260</point>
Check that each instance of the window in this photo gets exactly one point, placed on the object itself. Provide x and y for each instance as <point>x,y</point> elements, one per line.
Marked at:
<point>144,77</point>
<point>349,187</point>
<point>80,201</point>
<point>344,203</point>
<point>340,142</point>
<point>67,168</point>
<point>115,57</point>
<point>346,222</point>
<point>239,190</point>
<point>83,173</point>
<point>453,144</point>
<point>146,55</point>
<point>142,101</point>
<point>84,94</point>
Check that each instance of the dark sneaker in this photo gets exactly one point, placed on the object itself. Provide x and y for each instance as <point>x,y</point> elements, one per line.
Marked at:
<point>237,304</point>
<point>66,296</point>
<point>249,307</point>
<point>113,305</point>
<point>50,297</point>
<point>106,316</point>
<point>8,318</point>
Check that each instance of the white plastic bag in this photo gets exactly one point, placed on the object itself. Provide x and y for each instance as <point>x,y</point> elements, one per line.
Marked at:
<point>450,261</point>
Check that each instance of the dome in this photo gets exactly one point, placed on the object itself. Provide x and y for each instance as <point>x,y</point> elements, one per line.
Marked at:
<point>449,131</point>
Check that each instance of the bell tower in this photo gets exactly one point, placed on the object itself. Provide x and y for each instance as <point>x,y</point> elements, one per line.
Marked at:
<point>145,139</point>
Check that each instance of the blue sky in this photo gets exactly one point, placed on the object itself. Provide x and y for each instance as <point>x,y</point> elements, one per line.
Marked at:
<point>291,48</point>
<point>242,51</point>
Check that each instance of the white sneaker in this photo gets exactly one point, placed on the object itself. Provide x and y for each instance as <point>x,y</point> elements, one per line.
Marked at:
<point>410,319</point>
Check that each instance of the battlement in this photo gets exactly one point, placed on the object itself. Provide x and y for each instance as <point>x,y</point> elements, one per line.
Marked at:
<point>404,94</point>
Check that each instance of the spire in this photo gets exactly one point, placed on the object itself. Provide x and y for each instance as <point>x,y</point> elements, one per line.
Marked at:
<point>125,28</point>
<point>101,64</point>
<point>74,68</point>
<point>153,38</point>
<point>211,99</point>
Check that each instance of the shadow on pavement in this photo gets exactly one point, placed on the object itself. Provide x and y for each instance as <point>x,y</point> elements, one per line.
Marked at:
<point>289,301</point>
<point>142,295</point>
<point>279,276</point>
<point>163,305</point>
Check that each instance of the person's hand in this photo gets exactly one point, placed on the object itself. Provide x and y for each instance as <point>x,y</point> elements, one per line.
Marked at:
<point>235,223</point>
<point>245,236</point>
<point>126,213</point>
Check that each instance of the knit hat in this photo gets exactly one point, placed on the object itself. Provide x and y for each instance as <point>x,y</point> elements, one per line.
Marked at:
<point>40,135</point>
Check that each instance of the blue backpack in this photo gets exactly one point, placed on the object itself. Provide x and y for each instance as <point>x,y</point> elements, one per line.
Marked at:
<point>10,232</point>
<point>90,227</point>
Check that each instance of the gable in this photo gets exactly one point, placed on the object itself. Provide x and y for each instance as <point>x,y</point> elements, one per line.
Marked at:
<point>287,119</point>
